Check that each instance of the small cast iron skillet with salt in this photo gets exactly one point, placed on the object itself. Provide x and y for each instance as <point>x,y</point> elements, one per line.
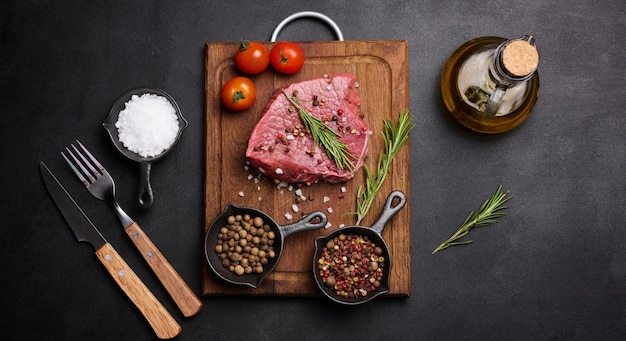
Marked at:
<point>374,235</point>
<point>145,195</point>
<point>315,220</point>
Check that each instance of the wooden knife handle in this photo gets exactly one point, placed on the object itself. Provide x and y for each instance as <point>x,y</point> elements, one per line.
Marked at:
<point>188,303</point>
<point>159,318</point>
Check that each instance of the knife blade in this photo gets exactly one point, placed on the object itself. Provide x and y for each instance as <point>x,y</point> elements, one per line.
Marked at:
<point>163,324</point>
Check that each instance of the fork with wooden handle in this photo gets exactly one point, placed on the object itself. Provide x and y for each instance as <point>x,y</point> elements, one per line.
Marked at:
<point>101,185</point>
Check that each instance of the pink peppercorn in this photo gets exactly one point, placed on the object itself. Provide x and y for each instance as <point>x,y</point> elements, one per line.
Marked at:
<point>347,270</point>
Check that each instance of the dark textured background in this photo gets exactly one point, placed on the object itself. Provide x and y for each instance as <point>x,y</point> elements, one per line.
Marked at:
<point>554,268</point>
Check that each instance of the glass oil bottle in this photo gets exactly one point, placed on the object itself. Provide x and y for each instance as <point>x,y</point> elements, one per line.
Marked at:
<point>491,84</point>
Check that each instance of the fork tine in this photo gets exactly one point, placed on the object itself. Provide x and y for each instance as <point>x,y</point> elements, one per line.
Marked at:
<point>91,176</point>
<point>76,171</point>
<point>93,159</point>
<point>91,168</point>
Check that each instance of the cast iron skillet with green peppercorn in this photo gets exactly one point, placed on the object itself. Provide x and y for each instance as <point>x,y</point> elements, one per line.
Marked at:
<point>355,257</point>
<point>312,221</point>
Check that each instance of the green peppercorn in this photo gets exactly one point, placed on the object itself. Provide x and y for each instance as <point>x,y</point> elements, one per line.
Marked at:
<point>258,222</point>
<point>330,281</point>
<point>245,244</point>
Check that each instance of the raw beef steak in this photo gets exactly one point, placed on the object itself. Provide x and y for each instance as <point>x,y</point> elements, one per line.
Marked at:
<point>279,146</point>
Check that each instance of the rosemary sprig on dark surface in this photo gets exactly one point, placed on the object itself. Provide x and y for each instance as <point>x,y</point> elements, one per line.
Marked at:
<point>394,138</point>
<point>324,136</point>
<point>487,214</point>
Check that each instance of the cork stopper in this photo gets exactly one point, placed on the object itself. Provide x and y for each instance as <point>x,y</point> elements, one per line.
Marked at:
<point>520,58</point>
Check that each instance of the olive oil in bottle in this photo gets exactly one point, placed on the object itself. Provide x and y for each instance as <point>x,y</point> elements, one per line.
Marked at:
<point>491,84</point>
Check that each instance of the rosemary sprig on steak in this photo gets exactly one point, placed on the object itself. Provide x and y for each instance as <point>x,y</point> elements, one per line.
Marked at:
<point>324,136</point>
<point>394,138</point>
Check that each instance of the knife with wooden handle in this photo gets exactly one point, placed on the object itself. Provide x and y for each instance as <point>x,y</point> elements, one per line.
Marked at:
<point>101,185</point>
<point>163,324</point>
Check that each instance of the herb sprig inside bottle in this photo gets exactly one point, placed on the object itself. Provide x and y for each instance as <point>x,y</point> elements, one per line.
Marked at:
<point>324,136</point>
<point>487,214</point>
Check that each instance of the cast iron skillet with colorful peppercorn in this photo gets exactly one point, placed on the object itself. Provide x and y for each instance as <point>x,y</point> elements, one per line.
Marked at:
<point>253,279</point>
<point>352,264</point>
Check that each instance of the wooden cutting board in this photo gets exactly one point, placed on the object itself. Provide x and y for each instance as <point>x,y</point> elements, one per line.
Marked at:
<point>381,68</point>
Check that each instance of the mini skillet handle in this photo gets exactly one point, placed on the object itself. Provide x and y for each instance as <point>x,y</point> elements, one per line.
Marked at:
<point>145,197</point>
<point>389,210</point>
<point>305,224</point>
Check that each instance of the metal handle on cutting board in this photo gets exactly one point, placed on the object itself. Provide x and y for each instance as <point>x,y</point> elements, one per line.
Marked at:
<point>303,14</point>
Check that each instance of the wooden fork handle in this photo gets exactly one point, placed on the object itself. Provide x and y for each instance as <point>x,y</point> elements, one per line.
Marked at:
<point>159,318</point>
<point>188,303</point>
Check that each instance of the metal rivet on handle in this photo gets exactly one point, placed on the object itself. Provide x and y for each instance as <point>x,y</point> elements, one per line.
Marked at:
<point>303,14</point>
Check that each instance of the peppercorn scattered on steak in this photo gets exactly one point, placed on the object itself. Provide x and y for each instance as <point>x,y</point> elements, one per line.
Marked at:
<point>281,148</point>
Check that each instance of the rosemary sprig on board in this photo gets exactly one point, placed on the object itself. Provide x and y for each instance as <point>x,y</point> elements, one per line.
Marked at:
<point>394,138</point>
<point>324,136</point>
<point>487,214</point>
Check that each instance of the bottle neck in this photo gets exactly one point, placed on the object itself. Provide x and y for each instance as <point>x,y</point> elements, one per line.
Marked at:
<point>514,61</point>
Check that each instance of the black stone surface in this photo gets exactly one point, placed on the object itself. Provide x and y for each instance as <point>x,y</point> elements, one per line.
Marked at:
<point>553,269</point>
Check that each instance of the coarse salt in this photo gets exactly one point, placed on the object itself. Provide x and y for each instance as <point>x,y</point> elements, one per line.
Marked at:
<point>148,125</point>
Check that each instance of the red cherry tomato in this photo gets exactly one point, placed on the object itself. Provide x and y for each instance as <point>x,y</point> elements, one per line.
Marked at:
<point>287,57</point>
<point>238,93</point>
<point>252,57</point>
